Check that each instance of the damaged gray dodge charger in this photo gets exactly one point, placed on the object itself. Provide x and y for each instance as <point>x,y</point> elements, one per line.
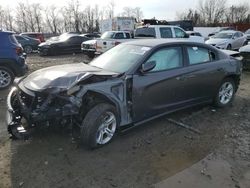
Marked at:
<point>128,85</point>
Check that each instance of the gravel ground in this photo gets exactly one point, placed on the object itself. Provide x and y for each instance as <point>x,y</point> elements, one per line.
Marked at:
<point>141,157</point>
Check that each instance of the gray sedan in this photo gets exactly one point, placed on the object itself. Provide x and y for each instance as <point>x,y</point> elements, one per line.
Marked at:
<point>130,84</point>
<point>230,40</point>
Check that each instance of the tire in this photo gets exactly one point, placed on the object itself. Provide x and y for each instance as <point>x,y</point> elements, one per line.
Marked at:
<point>94,131</point>
<point>6,77</point>
<point>229,47</point>
<point>225,93</point>
<point>245,43</point>
<point>28,49</point>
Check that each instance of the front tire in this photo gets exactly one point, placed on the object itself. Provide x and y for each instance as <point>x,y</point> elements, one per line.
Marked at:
<point>99,126</point>
<point>6,77</point>
<point>225,93</point>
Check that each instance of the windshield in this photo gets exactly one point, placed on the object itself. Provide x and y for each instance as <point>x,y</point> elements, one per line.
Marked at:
<point>120,58</point>
<point>223,35</point>
<point>108,35</point>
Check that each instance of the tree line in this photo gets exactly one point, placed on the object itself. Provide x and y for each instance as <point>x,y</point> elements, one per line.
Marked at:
<point>33,17</point>
<point>216,12</point>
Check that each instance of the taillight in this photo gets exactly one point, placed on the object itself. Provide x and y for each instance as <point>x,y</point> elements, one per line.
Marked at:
<point>19,50</point>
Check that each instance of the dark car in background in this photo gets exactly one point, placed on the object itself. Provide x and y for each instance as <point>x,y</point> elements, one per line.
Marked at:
<point>35,35</point>
<point>130,84</point>
<point>29,44</point>
<point>62,45</point>
<point>12,59</point>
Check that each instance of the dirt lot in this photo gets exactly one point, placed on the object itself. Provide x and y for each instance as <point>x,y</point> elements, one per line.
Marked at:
<point>146,156</point>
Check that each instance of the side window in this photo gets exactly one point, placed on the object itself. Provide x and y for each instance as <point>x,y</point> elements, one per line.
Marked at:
<point>127,35</point>
<point>179,33</point>
<point>145,32</point>
<point>74,39</point>
<point>119,36</point>
<point>166,32</point>
<point>167,58</point>
<point>19,38</point>
<point>199,55</point>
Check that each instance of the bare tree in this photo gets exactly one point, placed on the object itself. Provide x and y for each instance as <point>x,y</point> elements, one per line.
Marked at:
<point>138,14</point>
<point>212,11</point>
<point>52,19</point>
<point>237,14</point>
<point>21,17</point>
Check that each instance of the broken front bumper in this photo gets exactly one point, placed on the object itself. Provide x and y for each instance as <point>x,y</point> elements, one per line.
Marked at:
<point>35,109</point>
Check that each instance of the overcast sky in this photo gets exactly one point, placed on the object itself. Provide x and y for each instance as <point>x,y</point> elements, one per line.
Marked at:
<point>161,9</point>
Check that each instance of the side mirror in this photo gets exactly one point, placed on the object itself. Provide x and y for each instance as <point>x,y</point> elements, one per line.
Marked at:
<point>148,66</point>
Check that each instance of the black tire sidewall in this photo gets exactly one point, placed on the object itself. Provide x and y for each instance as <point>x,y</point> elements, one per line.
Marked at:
<point>12,76</point>
<point>217,98</point>
<point>91,123</point>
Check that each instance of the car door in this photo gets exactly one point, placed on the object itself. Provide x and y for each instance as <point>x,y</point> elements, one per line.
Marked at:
<point>236,41</point>
<point>160,89</point>
<point>203,74</point>
<point>74,44</point>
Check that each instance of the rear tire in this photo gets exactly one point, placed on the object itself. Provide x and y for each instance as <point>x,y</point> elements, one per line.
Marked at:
<point>99,126</point>
<point>226,93</point>
<point>6,77</point>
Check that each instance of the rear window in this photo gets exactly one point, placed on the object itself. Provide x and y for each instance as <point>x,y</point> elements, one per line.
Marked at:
<point>145,32</point>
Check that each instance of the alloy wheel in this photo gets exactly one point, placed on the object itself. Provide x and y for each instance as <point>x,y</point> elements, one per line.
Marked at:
<point>107,128</point>
<point>5,78</point>
<point>226,93</point>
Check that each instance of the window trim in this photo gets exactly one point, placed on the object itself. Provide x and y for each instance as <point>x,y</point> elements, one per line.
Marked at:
<point>160,48</point>
<point>209,50</point>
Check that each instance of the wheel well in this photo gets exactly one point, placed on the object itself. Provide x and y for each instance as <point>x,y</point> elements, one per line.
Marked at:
<point>236,79</point>
<point>8,67</point>
<point>93,98</point>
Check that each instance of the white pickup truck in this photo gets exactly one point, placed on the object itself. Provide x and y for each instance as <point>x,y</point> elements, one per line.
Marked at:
<point>112,38</point>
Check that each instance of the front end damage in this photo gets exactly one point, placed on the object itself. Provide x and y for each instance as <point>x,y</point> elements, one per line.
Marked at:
<point>28,109</point>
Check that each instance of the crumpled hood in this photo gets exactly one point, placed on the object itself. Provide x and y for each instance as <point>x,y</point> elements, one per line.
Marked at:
<point>61,76</point>
<point>216,41</point>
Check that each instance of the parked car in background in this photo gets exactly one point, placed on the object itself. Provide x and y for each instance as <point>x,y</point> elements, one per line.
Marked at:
<point>38,36</point>
<point>12,59</point>
<point>230,40</point>
<point>245,53</point>
<point>130,84</point>
<point>247,33</point>
<point>107,41</point>
<point>110,39</point>
<point>220,29</point>
<point>29,44</point>
<point>64,44</point>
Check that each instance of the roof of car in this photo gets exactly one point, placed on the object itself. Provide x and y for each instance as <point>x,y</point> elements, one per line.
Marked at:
<point>156,42</point>
<point>7,32</point>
